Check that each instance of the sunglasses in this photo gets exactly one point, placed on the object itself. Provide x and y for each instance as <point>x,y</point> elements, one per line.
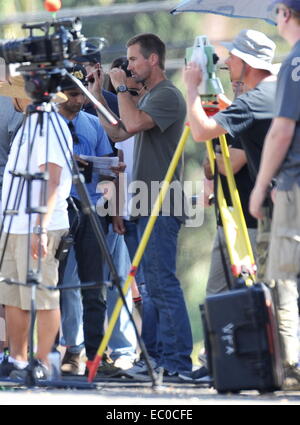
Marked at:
<point>278,9</point>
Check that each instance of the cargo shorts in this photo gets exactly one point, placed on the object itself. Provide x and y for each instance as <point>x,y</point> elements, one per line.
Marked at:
<point>15,267</point>
<point>284,251</point>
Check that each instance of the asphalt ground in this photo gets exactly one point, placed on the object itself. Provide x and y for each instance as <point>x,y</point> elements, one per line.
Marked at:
<point>130,395</point>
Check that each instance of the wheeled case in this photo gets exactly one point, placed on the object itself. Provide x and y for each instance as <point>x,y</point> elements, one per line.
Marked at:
<point>242,340</point>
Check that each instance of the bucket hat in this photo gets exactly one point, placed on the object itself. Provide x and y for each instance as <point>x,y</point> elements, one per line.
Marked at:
<point>254,48</point>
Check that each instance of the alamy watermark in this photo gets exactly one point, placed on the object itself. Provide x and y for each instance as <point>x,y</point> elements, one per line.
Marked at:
<point>139,198</point>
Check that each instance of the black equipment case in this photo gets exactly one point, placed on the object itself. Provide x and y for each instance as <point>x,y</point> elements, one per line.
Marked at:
<point>242,340</point>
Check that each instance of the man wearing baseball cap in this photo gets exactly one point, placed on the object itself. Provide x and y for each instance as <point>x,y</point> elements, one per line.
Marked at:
<point>281,157</point>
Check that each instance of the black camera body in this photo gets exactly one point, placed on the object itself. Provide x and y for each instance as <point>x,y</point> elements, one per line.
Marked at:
<point>44,58</point>
<point>124,66</point>
<point>65,42</point>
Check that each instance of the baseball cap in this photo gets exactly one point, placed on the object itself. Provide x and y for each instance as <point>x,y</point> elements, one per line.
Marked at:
<point>77,71</point>
<point>253,47</point>
<point>292,4</point>
<point>92,54</point>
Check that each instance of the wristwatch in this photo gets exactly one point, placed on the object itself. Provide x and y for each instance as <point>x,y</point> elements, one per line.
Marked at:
<point>39,230</point>
<point>122,88</point>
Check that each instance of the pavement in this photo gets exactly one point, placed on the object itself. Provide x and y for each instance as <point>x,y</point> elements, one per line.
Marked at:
<point>110,393</point>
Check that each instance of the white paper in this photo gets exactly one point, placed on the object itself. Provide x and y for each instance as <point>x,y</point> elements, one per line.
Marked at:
<point>102,164</point>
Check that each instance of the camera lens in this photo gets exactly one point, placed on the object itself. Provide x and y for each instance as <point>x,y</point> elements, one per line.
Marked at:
<point>124,66</point>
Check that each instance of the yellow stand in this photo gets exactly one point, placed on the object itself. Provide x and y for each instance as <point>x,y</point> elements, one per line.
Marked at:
<point>140,251</point>
<point>234,225</point>
<point>236,233</point>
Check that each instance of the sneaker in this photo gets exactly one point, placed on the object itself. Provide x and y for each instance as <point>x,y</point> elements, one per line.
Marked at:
<point>6,368</point>
<point>38,369</point>
<point>194,376</point>
<point>202,358</point>
<point>139,370</point>
<point>292,378</point>
<point>107,369</point>
<point>70,364</point>
<point>123,362</point>
<point>170,376</point>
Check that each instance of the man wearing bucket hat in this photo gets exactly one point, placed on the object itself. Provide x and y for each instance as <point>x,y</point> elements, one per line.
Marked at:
<point>249,116</point>
<point>46,233</point>
<point>281,158</point>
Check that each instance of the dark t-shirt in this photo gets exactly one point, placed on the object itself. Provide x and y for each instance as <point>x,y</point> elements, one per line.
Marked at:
<point>249,118</point>
<point>244,186</point>
<point>287,105</point>
<point>154,148</point>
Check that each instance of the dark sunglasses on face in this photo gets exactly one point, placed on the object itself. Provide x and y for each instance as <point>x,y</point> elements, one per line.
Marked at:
<point>278,9</point>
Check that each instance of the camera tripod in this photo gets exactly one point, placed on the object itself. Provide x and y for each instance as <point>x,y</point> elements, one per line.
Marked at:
<point>48,117</point>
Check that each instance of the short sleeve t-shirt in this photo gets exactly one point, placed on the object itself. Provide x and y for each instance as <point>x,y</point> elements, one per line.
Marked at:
<point>244,185</point>
<point>154,148</point>
<point>93,141</point>
<point>112,103</point>
<point>127,146</point>
<point>249,118</point>
<point>287,105</point>
<point>55,152</point>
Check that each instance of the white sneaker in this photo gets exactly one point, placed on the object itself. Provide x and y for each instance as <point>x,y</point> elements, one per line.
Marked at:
<point>139,370</point>
<point>124,363</point>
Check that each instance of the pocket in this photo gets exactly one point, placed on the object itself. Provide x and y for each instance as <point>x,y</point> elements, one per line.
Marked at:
<point>288,256</point>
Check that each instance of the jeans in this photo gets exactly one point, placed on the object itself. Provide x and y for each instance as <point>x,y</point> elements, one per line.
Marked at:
<point>123,339</point>
<point>150,331</point>
<point>165,291</point>
<point>71,307</point>
<point>90,269</point>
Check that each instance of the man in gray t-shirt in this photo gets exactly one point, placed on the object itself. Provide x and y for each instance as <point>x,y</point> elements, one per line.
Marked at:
<point>157,122</point>
<point>155,147</point>
<point>281,156</point>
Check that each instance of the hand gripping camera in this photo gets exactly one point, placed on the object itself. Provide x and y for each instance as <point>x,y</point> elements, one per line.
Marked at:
<point>204,54</point>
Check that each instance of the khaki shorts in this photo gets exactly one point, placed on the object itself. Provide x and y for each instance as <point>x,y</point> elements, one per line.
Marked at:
<point>284,253</point>
<point>15,267</point>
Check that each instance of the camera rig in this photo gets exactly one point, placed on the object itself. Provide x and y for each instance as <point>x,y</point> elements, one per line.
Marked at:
<point>44,59</point>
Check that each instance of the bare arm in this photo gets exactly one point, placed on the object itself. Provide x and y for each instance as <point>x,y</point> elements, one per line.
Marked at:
<point>115,133</point>
<point>276,145</point>
<point>203,128</point>
<point>54,171</point>
<point>133,119</point>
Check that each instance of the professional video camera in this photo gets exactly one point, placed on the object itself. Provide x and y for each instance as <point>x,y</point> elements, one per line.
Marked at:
<point>44,58</point>
<point>204,54</point>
